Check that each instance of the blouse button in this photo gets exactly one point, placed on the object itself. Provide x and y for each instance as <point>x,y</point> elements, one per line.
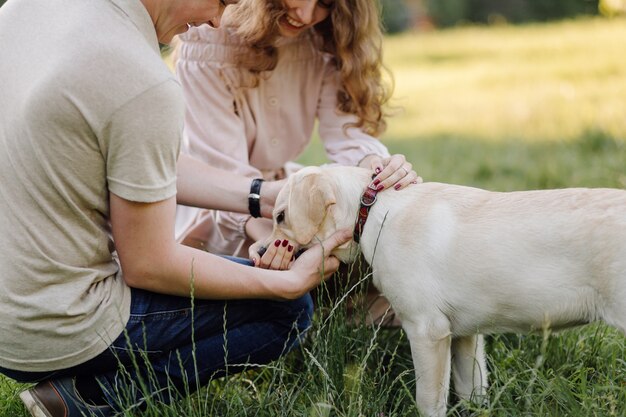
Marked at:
<point>274,141</point>
<point>273,101</point>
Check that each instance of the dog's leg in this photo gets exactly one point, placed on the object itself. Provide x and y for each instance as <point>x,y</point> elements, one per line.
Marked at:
<point>469,368</point>
<point>430,350</point>
<point>615,313</point>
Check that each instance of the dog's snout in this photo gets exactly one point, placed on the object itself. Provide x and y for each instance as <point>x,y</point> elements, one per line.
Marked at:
<point>262,250</point>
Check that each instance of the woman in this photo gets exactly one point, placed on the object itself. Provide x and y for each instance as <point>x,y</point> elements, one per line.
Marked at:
<point>262,80</point>
<point>272,70</point>
<point>92,279</point>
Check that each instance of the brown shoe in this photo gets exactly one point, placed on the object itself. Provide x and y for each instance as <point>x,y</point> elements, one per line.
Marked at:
<point>368,307</point>
<point>58,398</point>
<point>380,313</point>
<point>372,309</point>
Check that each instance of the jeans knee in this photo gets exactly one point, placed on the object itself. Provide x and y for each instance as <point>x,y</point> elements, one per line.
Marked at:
<point>302,313</point>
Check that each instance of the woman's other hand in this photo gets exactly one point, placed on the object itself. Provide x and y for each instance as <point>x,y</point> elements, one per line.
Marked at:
<point>394,171</point>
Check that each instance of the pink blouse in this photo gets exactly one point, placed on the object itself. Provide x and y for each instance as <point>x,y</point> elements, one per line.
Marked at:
<point>256,131</point>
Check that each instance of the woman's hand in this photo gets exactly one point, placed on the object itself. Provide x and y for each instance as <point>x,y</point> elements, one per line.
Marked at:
<point>277,255</point>
<point>256,251</point>
<point>394,171</point>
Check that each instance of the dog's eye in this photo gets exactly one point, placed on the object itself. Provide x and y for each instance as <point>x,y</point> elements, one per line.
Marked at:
<point>280,217</point>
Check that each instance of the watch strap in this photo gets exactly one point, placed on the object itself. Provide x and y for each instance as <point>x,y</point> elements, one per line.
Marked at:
<point>254,198</point>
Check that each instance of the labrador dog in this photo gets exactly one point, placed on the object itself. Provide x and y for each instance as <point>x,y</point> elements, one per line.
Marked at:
<point>458,262</point>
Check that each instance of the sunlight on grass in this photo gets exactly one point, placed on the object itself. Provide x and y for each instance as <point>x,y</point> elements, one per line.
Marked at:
<point>534,82</point>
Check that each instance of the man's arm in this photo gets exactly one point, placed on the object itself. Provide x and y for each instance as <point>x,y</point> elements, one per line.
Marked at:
<point>152,260</point>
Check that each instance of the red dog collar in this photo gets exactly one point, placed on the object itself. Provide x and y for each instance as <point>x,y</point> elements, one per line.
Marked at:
<point>368,198</point>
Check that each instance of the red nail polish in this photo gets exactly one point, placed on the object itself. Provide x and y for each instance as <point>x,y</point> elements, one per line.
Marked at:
<point>285,242</point>
<point>377,170</point>
<point>376,182</point>
<point>397,186</point>
<point>277,243</point>
<point>289,248</point>
<point>380,187</point>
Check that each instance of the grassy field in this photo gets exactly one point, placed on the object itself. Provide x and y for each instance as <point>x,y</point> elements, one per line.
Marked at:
<point>533,83</point>
<point>504,108</point>
<point>511,107</point>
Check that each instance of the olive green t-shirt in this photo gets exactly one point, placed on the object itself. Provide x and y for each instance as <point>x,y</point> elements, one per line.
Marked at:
<point>87,107</point>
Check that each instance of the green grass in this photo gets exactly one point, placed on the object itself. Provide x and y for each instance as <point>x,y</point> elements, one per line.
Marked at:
<point>505,108</point>
<point>354,371</point>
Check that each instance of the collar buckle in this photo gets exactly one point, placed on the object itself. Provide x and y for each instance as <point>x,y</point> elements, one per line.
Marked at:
<point>368,199</point>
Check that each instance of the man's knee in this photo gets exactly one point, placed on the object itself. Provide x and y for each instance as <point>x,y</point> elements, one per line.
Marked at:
<point>301,311</point>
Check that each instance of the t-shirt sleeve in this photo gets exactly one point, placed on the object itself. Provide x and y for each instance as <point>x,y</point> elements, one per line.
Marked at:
<point>142,142</point>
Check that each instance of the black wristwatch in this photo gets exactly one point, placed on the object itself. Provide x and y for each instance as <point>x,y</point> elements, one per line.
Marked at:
<point>254,198</point>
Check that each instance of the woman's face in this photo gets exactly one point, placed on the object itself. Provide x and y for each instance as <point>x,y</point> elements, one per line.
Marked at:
<point>303,14</point>
<point>173,17</point>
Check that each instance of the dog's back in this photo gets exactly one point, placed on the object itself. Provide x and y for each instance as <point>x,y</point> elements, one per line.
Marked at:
<point>497,262</point>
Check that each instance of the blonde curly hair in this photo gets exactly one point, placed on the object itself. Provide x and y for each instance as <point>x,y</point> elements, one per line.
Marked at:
<point>352,34</point>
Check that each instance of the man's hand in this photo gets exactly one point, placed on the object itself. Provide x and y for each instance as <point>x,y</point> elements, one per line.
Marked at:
<point>316,264</point>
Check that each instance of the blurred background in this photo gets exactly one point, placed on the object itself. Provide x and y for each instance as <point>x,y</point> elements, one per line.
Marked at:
<point>506,94</point>
<point>401,15</point>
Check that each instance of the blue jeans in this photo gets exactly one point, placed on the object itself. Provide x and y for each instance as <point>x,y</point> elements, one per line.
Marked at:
<point>159,344</point>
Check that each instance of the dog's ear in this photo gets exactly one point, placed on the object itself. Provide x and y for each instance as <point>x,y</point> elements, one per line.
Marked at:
<point>309,201</point>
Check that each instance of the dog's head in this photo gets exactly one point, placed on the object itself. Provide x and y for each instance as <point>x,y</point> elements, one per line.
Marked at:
<point>306,211</point>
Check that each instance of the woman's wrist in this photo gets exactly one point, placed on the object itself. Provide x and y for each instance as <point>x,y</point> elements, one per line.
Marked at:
<point>367,160</point>
<point>254,197</point>
<point>268,196</point>
<point>257,229</point>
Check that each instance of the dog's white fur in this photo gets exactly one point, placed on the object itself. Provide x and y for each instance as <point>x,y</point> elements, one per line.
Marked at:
<point>458,262</point>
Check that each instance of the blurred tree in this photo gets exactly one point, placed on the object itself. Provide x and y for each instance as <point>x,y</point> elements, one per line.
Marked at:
<point>557,9</point>
<point>2,2</point>
<point>451,12</point>
<point>447,12</point>
<point>489,10</point>
<point>395,15</point>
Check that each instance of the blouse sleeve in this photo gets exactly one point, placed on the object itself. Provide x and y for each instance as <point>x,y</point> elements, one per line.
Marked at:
<point>343,146</point>
<point>214,132</point>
